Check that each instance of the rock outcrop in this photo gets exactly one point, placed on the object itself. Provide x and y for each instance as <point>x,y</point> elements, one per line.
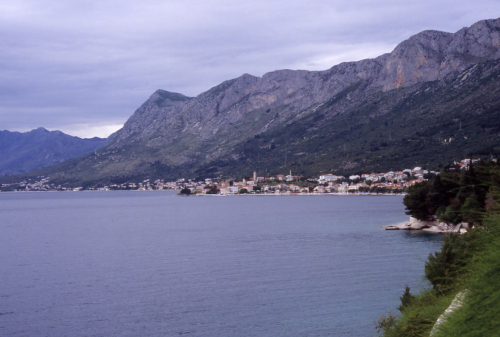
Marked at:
<point>431,226</point>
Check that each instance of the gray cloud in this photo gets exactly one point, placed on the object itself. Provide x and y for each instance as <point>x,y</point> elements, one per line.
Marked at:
<point>85,66</point>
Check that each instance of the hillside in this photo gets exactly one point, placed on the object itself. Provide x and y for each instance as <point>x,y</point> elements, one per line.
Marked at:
<point>30,151</point>
<point>464,274</point>
<point>432,100</point>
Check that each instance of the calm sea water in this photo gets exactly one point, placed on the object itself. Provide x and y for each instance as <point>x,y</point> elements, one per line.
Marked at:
<point>149,264</point>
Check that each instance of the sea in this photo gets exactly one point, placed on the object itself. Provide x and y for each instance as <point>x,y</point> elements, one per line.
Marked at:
<point>139,263</point>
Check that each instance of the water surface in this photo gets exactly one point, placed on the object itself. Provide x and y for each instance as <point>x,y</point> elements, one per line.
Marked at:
<point>149,264</point>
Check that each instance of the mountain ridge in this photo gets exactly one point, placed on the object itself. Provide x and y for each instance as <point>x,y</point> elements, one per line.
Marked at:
<point>411,62</point>
<point>224,128</point>
<point>32,150</point>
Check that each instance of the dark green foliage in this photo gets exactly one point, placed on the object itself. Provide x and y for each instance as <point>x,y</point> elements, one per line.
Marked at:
<point>453,197</point>
<point>416,201</point>
<point>385,323</point>
<point>212,189</point>
<point>472,211</point>
<point>444,267</point>
<point>480,314</point>
<point>450,214</point>
<point>405,299</point>
<point>185,191</point>
<point>468,261</point>
<point>442,191</point>
<point>417,319</point>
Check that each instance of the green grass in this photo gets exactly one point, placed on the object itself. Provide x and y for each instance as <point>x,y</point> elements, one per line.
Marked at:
<point>419,317</point>
<point>479,316</point>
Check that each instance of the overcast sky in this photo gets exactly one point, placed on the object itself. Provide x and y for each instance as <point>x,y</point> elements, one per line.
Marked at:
<point>84,66</point>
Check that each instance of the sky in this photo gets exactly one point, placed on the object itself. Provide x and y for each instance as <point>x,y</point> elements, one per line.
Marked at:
<point>84,66</point>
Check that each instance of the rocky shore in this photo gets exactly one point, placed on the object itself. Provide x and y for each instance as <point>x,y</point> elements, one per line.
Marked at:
<point>430,226</point>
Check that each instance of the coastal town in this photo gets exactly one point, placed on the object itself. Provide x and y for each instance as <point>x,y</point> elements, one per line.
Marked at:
<point>392,182</point>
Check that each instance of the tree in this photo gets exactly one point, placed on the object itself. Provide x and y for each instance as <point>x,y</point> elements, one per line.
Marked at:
<point>185,191</point>
<point>442,191</point>
<point>405,299</point>
<point>385,323</point>
<point>212,189</point>
<point>449,214</point>
<point>471,210</point>
<point>443,267</point>
<point>416,201</point>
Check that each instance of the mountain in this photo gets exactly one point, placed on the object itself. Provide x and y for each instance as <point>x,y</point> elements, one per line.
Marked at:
<point>435,98</point>
<point>29,151</point>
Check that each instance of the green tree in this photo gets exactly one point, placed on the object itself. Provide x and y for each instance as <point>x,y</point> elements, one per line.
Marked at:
<point>406,299</point>
<point>212,189</point>
<point>185,191</point>
<point>416,201</point>
<point>472,211</point>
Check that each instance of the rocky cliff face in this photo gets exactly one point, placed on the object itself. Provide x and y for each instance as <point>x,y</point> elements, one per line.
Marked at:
<point>427,56</point>
<point>430,79</point>
<point>433,55</point>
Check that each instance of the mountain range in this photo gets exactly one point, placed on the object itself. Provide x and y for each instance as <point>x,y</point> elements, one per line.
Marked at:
<point>434,99</point>
<point>29,151</point>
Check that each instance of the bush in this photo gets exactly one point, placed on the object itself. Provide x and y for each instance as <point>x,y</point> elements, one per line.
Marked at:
<point>417,318</point>
<point>406,299</point>
<point>480,312</point>
<point>185,191</point>
<point>416,201</point>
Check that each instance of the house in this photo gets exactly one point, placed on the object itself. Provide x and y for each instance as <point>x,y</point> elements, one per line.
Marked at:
<point>319,189</point>
<point>329,177</point>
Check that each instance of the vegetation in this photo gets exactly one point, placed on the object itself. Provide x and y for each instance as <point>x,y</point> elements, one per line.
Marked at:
<point>453,197</point>
<point>185,191</point>
<point>466,264</point>
<point>480,313</point>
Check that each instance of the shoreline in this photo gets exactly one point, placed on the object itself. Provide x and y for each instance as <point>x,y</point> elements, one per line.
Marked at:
<point>430,226</point>
<point>294,194</point>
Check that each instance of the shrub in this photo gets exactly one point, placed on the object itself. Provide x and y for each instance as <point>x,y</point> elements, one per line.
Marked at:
<point>185,191</point>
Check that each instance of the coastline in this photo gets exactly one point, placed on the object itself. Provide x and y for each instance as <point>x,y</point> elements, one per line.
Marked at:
<point>430,226</point>
<point>294,194</point>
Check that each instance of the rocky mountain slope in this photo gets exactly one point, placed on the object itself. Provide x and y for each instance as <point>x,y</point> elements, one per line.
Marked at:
<point>29,151</point>
<point>433,99</point>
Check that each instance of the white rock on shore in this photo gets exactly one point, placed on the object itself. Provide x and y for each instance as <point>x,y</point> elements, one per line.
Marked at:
<point>430,226</point>
<point>457,302</point>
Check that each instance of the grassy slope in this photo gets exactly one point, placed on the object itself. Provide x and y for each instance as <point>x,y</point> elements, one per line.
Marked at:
<point>480,314</point>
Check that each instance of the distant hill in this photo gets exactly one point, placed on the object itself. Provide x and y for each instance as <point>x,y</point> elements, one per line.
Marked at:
<point>434,99</point>
<point>30,151</point>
